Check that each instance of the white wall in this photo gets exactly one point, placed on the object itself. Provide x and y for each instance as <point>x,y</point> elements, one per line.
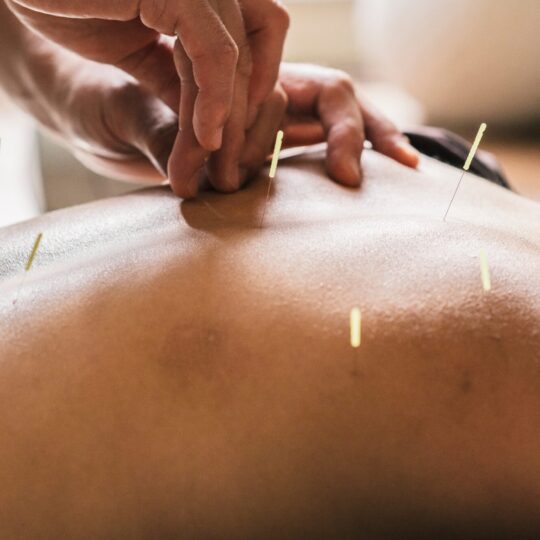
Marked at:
<point>21,195</point>
<point>322,31</point>
<point>467,61</point>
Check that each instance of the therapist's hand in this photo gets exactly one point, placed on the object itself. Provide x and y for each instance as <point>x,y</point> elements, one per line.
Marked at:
<point>228,56</point>
<point>101,114</point>
<point>323,105</point>
<point>113,125</point>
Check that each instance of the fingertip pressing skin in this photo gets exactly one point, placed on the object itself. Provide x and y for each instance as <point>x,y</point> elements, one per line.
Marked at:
<point>183,170</point>
<point>406,154</point>
<point>185,189</point>
<point>397,147</point>
<point>344,167</point>
<point>343,124</point>
<point>344,171</point>
<point>386,137</point>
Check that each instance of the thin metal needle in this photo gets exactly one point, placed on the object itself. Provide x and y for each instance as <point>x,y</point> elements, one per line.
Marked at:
<point>273,168</point>
<point>454,195</point>
<point>34,251</point>
<point>29,264</point>
<point>468,162</point>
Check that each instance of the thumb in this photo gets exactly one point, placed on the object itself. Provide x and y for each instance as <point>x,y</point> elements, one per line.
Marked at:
<point>144,123</point>
<point>155,136</point>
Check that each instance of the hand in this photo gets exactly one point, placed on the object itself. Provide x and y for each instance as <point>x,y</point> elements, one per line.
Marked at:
<point>324,106</point>
<point>116,127</point>
<point>313,104</point>
<point>217,43</point>
<point>104,117</point>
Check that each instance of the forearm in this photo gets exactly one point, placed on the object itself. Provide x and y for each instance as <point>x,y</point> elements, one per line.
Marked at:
<point>29,71</point>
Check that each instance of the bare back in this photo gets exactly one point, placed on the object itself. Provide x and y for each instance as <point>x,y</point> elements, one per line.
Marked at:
<point>175,368</point>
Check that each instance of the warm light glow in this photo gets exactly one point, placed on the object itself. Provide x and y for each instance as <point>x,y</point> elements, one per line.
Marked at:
<point>484,269</point>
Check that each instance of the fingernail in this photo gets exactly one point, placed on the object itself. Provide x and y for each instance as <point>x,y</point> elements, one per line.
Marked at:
<point>409,153</point>
<point>216,139</point>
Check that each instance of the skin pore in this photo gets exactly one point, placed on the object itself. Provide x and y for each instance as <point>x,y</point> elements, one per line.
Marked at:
<point>172,370</point>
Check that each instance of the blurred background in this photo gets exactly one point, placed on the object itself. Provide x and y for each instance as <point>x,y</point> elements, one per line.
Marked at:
<point>450,63</point>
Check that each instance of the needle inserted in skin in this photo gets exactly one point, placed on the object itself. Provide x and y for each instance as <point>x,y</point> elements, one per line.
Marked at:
<point>273,168</point>
<point>474,147</point>
<point>29,263</point>
<point>468,162</point>
<point>34,251</point>
<point>275,156</point>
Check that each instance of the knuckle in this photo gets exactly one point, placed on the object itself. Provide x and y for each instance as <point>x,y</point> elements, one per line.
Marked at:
<point>342,82</point>
<point>222,50</point>
<point>228,51</point>
<point>279,99</point>
<point>349,129</point>
<point>280,16</point>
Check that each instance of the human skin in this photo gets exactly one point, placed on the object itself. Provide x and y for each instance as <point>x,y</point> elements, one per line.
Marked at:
<point>129,129</point>
<point>215,43</point>
<point>177,369</point>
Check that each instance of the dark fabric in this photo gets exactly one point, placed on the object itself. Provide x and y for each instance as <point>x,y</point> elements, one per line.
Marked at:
<point>445,146</point>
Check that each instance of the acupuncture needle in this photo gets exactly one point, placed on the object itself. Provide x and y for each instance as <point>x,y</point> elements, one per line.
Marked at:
<point>468,162</point>
<point>273,169</point>
<point>29,264</point>
<point>355,321</point>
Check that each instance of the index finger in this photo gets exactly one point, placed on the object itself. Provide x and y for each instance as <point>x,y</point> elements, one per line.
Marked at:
<point>207,42</point>
<point>187,156</point>
<point>213,53</point>
<point>342,122</point>
<point>386,137</point>
<point>224,165</point>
